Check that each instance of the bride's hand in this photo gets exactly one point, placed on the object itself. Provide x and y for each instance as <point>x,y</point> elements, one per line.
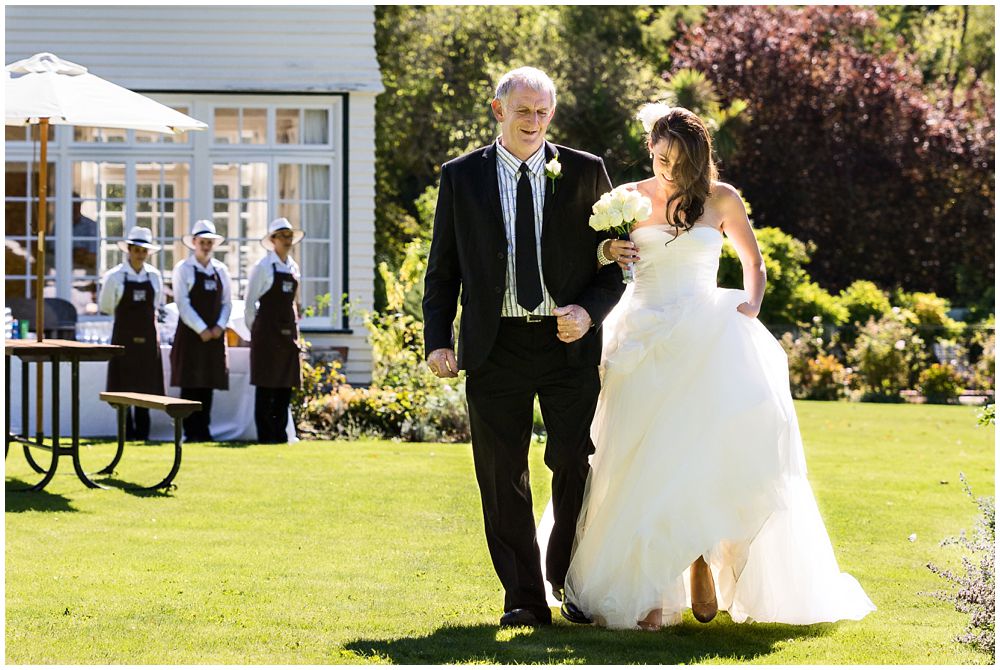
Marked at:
<point>621,251</point>
<point>748,310</point>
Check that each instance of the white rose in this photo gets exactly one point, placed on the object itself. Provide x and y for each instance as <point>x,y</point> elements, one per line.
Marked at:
<point>553,167</point>
<point>616,209</point>
<point>599,221</point>
<point>900,345</point>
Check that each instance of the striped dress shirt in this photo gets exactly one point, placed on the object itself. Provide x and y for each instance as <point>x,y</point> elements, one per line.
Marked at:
<point>508,172</point>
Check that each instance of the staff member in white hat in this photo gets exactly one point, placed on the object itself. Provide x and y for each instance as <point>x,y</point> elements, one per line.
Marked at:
<point>271,315</point>
<point>204,301</point>
<point>133,292</point>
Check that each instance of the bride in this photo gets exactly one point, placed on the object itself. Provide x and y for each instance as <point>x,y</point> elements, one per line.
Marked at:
<point>699,472</point>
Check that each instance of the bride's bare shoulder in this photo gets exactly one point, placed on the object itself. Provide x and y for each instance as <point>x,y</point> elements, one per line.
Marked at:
<point>646,186</point>
<point>724,194</point>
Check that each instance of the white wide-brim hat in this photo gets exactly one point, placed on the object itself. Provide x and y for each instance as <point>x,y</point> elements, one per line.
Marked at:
<point>202,230</point>
<point>277,226</point>
<point>139,237</point>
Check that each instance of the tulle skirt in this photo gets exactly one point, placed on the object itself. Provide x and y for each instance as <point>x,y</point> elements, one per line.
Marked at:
<point>699,454</point>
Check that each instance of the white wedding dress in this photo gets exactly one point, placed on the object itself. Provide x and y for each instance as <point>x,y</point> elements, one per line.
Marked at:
<point>698,453</point>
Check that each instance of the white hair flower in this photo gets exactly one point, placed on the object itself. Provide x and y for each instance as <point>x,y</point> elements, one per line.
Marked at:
<point>652,112</point>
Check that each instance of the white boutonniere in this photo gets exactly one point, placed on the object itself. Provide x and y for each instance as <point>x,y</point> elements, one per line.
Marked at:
<point>553,170</point>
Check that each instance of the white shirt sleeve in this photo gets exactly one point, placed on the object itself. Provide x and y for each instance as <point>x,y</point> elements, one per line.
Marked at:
<point>156,279</point>
<point>227,293</point>
<point>261,278</point>
<point>112,289</point>
<point>183,281</point>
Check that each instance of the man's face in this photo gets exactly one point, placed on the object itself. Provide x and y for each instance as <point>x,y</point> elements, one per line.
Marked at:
<point>523,120</point>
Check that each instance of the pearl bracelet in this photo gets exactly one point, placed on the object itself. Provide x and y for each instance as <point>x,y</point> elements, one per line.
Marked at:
<point>601,258</point>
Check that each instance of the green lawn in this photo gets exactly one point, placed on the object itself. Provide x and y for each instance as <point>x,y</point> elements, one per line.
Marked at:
<point>364,552</point>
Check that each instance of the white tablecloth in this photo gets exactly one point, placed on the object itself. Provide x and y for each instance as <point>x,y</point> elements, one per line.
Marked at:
<point>232,410</point>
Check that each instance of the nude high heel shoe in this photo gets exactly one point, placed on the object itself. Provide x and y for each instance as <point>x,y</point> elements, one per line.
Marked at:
<point>704,605</point>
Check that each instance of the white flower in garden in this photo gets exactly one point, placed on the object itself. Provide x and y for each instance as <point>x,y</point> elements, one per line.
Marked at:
<point>900,345</point>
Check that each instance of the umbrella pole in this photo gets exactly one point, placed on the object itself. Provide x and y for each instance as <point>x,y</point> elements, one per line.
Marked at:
<point>43,185</point>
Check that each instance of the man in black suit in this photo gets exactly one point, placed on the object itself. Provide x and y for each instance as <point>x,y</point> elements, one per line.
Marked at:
<point>511,236</point>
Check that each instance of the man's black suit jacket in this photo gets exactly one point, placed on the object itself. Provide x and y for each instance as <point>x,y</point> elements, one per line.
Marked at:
<point>469,254</point>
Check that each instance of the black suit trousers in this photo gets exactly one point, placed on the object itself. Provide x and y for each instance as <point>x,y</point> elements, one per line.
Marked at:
<point>528,360</point>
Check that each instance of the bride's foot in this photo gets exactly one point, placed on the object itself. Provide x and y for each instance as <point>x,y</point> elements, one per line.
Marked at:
<point>653,621</point>
<point>704,605</point>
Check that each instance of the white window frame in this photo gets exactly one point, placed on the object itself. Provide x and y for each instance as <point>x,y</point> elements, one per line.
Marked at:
<point>201,152</point>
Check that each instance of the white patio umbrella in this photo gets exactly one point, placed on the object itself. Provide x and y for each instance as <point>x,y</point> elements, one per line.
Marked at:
<point>45,90</point>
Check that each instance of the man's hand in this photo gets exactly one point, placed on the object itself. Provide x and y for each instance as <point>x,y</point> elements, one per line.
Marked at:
<point>205,335</point>
<point>443,363</point>
<point>573,322</point>
<point>217,332</point>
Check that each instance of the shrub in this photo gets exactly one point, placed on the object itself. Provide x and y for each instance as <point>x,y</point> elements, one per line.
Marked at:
<point>864,300</point>
<point>790,297</point>
<point>984,369</point>
<point>928,313</point>
<point>940,384</point>
<point>886,357</point>
<point>975,590</point>
<point>814,373</point>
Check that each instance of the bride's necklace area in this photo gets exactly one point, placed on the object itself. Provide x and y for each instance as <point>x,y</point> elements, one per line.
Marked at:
<point>674,230</point>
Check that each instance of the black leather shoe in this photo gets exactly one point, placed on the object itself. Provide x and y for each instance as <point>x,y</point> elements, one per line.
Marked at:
<point>521,617</point>
<point>574,614</point>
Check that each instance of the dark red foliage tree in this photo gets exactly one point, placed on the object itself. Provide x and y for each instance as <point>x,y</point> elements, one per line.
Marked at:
<point>849,149</point>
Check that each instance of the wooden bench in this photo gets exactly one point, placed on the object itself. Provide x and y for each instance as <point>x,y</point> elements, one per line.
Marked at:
<point>176,408</point>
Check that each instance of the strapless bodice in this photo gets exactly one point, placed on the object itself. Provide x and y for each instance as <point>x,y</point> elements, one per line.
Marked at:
<point>686,267</point>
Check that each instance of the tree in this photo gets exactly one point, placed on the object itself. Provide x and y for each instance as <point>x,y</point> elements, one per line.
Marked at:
<point>848,151</point>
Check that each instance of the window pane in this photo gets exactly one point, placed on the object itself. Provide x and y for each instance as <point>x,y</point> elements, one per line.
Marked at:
<point>288,181</point>
<point>17,179</point>
<point>16,217</point>
<point>317,127</point>
<point>317,182</point>
<point>316,221</point>
<point>311,291</point>
<point>291,211</point>
<point>17,256</point>
<point>227,125</point>
<point>17,133</point>
<point>287,126</point>
<point>253,178</point>
<point>254,126</point>
<point>315,259</point>
<point>85,134</point>
<point>14,288</point>
<point>84,237</point>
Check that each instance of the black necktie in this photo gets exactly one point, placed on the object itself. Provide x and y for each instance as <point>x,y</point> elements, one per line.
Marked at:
<point>529,284</point>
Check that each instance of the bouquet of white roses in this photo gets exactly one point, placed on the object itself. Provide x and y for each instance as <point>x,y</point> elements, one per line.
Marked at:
<point>619,210</point>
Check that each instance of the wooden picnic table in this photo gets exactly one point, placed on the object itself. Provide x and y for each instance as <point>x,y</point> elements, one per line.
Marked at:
<point>54,352</point>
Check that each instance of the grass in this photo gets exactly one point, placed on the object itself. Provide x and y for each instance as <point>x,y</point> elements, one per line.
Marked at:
<point>372,552</point>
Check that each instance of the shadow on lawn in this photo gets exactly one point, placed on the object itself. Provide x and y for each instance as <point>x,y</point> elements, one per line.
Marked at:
<point>131,488</point>
<point>33,501</point>
<point>686,643</point>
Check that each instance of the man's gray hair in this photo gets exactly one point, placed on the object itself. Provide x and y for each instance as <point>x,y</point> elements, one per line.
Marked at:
<point>530,77</point>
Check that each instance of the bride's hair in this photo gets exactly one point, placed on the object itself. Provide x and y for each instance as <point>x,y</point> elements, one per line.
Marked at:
<point>694,171</point>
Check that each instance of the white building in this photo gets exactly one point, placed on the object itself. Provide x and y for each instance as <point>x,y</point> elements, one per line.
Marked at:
<point>288,94</point>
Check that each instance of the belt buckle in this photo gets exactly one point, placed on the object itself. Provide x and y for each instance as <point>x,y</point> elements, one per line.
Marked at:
<point>533,318</point>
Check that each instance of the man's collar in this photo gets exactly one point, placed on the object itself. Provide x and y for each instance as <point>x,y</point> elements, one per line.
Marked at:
<point>535,161</point>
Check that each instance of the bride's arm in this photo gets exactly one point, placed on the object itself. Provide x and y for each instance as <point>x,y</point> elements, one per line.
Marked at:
<point>737,228</point>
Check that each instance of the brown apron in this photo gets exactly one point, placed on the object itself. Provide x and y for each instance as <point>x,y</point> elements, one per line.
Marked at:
<point>274,349</point>
<point>193,363</point>
<point>140,369</point>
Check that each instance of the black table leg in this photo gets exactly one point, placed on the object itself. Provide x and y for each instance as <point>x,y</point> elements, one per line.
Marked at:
<point>110,469</point>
